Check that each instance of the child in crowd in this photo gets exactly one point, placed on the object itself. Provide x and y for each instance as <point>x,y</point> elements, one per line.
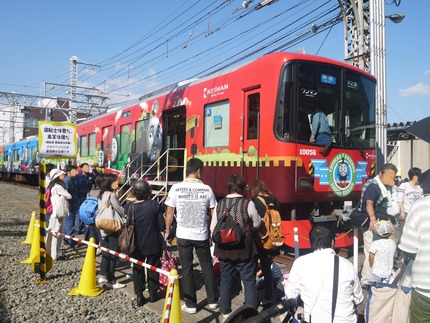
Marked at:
<point>381,253</point>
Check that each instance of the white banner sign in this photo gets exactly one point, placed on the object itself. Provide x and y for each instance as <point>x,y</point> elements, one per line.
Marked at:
<point>57,139</point>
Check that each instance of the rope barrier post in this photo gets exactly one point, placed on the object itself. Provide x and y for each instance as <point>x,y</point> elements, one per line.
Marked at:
<point>172,304</point>
<point>296,242</point>
<point>355,249</point>
<point>42,202</point>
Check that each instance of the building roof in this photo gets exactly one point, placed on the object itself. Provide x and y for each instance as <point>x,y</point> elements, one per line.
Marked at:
<point>397,131</point>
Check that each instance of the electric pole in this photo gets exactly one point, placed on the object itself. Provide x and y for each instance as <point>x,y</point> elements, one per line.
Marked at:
<point>73,80</point>
<point>72,88</point>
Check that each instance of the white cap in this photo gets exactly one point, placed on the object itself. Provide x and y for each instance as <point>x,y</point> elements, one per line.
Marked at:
<point>53,174</point>
<point>383,229</point>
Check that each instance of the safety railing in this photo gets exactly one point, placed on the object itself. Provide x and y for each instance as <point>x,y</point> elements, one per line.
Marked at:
<point>157,174</point>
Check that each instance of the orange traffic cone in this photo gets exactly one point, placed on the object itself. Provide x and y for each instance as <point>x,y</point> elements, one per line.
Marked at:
<point>35,245</point>
<point>30,230</point>
<point>175,307</point>
<point>87,284</point>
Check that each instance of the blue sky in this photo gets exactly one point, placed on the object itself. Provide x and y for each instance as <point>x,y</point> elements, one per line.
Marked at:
<point>144,45</point>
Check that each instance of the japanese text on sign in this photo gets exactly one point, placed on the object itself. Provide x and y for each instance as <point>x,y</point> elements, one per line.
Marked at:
<point>57,139</point>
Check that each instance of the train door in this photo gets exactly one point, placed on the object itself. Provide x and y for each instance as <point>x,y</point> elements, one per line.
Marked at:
<point>107,151</point>
<point>141,148</point>
<point>251,135</point>
<point>174,131</point>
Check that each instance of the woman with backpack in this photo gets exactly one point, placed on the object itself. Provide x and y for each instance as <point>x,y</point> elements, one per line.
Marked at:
<point>108,196</point>
<point>91,230</point>
<point>60,209</point>
<point>240,256</point>
<point>262,197</point>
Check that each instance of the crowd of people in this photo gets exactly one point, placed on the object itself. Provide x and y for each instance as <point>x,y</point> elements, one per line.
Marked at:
<point>190,216</point>
<point>66,190</point>
<point>399,228</point>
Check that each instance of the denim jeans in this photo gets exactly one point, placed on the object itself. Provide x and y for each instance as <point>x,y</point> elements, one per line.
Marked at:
<point>322,139</point>
<point>69,228</point>
<point>107,266</point>
<point>186,248</point>
<point>247,269</point>
<point>79,225</point>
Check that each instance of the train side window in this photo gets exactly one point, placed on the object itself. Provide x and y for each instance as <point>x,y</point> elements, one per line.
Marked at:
<point>284,113</point>
<point>83,147</point>
<point>253,113</point>
<point>125,139</point>
<point>92,144</point>
<point>33,152</point>
<point>217,124</point>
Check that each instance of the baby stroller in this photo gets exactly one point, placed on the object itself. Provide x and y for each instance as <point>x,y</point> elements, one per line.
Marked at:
<point>249,314</point>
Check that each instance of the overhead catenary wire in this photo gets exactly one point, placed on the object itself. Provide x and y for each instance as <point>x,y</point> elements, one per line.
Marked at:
<point>83,77</point>
<point>123,87</point>
<point>143,65</point>
<point>144,54</point>
<point>221,45</point>
<point>256,42</point>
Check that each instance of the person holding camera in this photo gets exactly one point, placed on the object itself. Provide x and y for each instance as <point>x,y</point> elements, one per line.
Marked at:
<point>313,275</point>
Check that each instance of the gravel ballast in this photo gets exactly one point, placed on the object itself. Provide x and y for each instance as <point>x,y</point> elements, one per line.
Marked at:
<point>22,299</point>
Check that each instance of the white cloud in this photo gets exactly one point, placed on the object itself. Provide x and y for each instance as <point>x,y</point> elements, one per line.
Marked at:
<point>427,73</point>
<point>421,89</point>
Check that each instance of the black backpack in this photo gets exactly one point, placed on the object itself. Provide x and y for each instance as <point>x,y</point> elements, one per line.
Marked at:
<point>228,231</point>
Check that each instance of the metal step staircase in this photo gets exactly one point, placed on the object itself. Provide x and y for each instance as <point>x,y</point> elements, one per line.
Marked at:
<point>156,174</point>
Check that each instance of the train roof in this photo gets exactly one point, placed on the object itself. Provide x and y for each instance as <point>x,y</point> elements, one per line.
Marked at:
<point>28,138</point>
<point>281,55</point>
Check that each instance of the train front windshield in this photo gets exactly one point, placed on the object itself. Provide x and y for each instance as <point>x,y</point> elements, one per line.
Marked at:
<point>345,96</point>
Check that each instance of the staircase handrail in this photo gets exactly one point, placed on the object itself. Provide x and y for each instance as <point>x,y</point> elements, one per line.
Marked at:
<point>158,178</point>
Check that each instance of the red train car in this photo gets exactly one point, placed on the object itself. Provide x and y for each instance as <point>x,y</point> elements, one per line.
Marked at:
<point>255,120</point>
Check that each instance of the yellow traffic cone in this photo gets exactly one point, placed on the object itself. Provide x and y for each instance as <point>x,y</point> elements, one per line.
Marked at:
<point>30,230</point>
<point>175,307</point>
<point>87,284</point>
<point>35,245</point>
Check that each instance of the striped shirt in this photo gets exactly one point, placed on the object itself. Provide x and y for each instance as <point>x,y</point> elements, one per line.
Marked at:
<point>416,239</point>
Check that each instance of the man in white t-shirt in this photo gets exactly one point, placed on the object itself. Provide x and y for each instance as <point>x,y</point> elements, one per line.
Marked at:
<point>192,199</point>
<point>408,193</point>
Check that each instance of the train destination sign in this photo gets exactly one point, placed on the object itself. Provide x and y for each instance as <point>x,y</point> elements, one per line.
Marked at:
<point>57,140</point>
